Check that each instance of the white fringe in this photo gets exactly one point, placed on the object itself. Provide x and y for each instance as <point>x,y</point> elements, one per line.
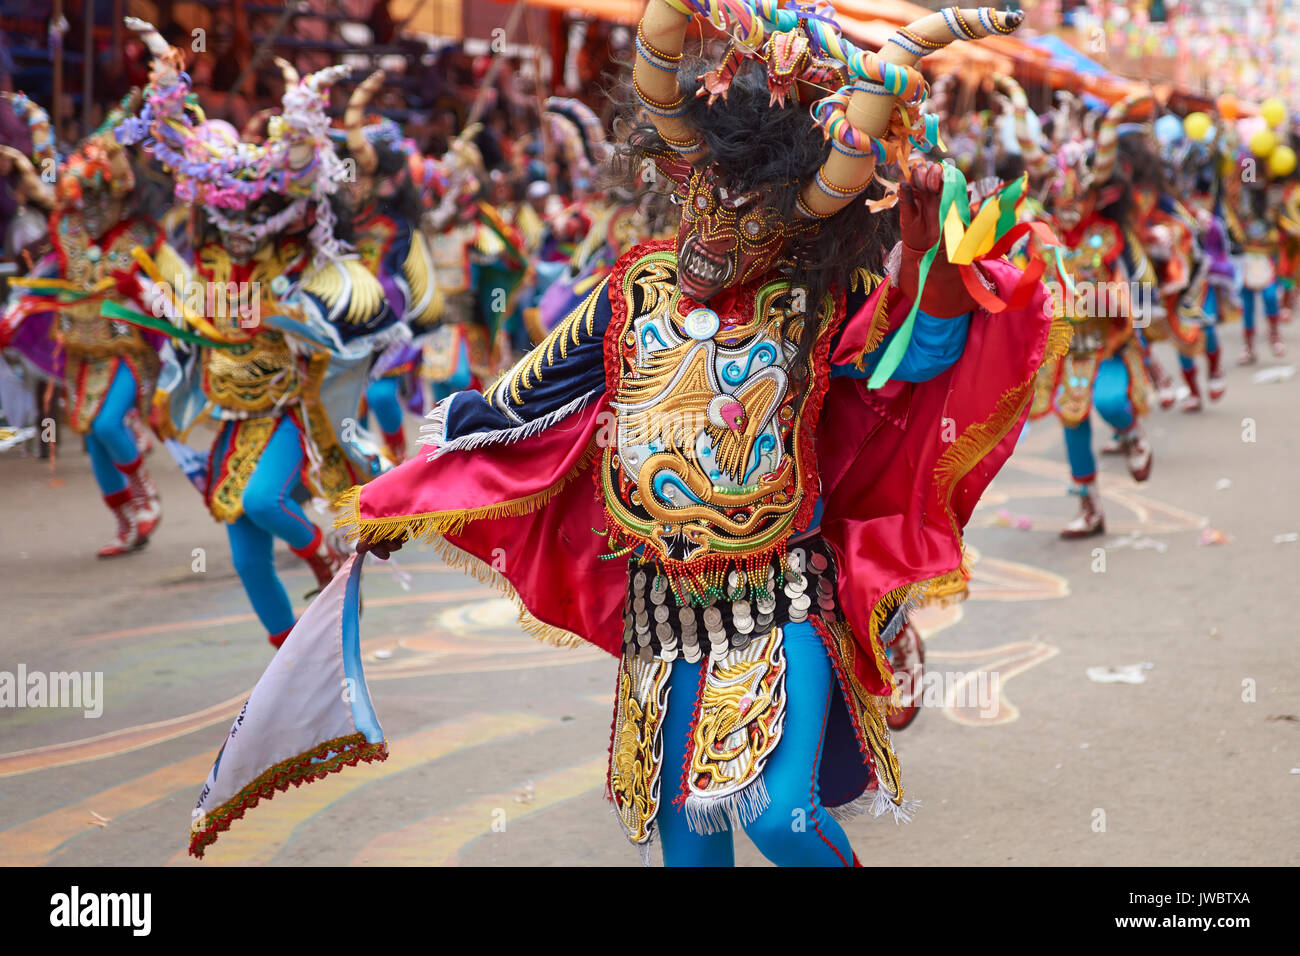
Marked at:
<point>643,849</point>
<point>876,803</point>
<point>706,815</point>
<point>433,434</point>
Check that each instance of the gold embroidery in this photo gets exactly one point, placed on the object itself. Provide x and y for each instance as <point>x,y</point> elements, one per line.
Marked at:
<point>248,439</point>
<point>253,376</point>
<point>741,712</point>
<point>636,754</point>
<point>866,710</point>
<point>528,370</point>
<point>708,470</point>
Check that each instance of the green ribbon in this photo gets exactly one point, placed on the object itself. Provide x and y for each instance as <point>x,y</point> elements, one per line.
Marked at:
<point>36,287</point>
<point>119,312</point>
<point>954,192</point>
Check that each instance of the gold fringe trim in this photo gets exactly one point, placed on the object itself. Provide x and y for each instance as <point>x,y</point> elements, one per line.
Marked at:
<point>1059,337</point>
<point>876,334</point>
<point>485,574</point>
<point>946,589</point>
<point>879,615</point>
<point>432,525</point>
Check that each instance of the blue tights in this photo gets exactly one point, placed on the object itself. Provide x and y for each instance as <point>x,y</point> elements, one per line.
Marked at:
<point>1249,300</point>
<point>1110,399</point>
<point>110,442</point>
<point>385,401</point>
<point>270,512</point>
<point>795,829</point>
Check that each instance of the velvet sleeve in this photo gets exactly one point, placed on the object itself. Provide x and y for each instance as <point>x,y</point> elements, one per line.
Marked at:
<point>562,374</point>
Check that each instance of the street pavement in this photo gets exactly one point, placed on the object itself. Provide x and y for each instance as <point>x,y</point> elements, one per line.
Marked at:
<point>498,743</point>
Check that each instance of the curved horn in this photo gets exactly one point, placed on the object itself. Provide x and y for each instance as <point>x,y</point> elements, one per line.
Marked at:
<point>660,37</point>
<point>354,117</point>
<point>1033,154</point>
<point>40,193</point>
<point>168,62</point>
<point>149,35</point>
<point>322,80</point>
<point>1103,164</point>
<point>288,71</point>
<point>870,113</point>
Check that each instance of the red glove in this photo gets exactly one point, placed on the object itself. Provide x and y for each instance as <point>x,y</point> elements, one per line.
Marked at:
<point>945,295</point>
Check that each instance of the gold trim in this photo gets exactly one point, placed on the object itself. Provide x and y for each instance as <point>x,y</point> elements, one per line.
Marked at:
<point>430,525</point>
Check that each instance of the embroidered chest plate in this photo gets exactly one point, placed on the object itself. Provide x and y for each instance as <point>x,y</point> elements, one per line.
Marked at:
<point>260,373</point>
<point>710,469</point>
<point>87,264</point>
<point>1089,260</point>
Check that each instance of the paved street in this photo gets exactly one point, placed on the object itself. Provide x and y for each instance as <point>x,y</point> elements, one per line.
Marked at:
<point>1198,764</point>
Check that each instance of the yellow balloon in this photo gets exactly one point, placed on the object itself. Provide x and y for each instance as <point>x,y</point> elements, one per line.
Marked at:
<point>1274,112</point>
<point>1263,143</point>
<point>1281,162</point>
<point>1196,125</point>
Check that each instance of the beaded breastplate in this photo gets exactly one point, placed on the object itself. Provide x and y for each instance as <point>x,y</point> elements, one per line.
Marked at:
<point>710,471</point>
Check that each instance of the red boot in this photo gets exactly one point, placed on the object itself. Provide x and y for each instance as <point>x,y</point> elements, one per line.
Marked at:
<point>128,536</point>
<point>323,560</point>
<point>278,639</point>
<point>1089,521</point>
<point>1139,453</point>
<point>1165,390</point>
<point>1275,338</point>
<point>395,444</point>
<point>143,439</point>
<point>144,497</point>
<point>1247,356</point>
<point>907,658</point>
<point>1218,384</point>
<point>1192,403</point>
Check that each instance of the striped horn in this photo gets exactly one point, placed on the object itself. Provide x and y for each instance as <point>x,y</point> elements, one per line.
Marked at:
<point>354,118</point>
